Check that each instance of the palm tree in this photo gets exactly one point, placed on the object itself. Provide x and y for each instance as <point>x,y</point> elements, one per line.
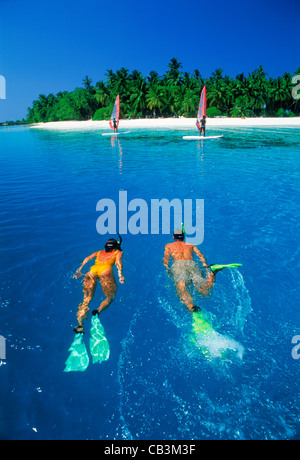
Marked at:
<point>138,92</point>
<point>41,107</point>
<point>257,89</point>
<point>197,79</point>
<point>111,78</point>
<point>155,97</point>
<point>217,75</point>
<point>190,103</point>
<point>218,94</point>
<point>153,77</point>
<point>173,76</point>
<point>240,108</point>
<point>84,102</point>
<point>122,82</point>
<point>173,100</point>
<point>102,94</point>
<point>69,107</point>
<point>87,83</point>
<point>279,93</point>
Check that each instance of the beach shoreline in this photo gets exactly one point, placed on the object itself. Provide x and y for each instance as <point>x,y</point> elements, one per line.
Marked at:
<point>171,123</point>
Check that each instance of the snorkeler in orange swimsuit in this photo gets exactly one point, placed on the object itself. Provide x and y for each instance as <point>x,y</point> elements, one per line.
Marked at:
<point>102,271</point>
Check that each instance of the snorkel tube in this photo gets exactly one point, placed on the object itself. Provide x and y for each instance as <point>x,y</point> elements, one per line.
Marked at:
<point>120,241</point>
<point>183,229</point>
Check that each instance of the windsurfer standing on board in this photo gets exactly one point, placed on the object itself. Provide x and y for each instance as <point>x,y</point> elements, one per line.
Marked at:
<point>115,125</point>
<point>201,125</point>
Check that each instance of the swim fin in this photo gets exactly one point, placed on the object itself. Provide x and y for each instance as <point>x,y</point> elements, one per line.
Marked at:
<point>99,346</point>
<point>216,268</point>
<point>78,359</point>
<point>211,343</point>
<point>200,324</point>
<point>202,332</point>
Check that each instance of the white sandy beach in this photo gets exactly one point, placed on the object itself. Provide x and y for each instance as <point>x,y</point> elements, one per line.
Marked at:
<point>172,123</point>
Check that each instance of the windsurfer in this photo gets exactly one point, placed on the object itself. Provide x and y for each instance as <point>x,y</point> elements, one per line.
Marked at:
<point>114,119</point>
<point>201,115</point>
<point>201,125</point>
<point>115,125</point>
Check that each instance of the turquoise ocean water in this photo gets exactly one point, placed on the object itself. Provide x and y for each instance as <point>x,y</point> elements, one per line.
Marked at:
<point>157,384</point>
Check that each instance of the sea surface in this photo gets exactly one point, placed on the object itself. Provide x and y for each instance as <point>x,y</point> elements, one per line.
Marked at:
<point>157,383</point>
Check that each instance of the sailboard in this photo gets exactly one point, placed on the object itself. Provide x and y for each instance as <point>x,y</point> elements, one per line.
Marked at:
<point>116,133</point>
<point>200,138</point>
<point>114,120</point>
<point>200,114</point>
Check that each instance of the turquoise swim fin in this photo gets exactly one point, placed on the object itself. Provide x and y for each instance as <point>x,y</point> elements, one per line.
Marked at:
<point>79,358</point>
<point>99,346</point>
<point>216,268</point>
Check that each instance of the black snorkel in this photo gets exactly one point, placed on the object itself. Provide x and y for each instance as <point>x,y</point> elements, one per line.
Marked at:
<point>120,241</point>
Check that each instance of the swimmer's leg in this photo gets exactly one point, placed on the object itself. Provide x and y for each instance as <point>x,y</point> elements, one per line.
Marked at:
<point>109,288</point>
<point>185,296</point>
<point>89,287</point>
<point>205,287</point>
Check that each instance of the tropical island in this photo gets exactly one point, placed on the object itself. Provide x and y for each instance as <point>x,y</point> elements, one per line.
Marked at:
<point>175,94</point>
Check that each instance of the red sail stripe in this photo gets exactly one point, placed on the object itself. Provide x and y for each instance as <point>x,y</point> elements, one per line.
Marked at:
<point>115,114</point>
<point>202,105</point>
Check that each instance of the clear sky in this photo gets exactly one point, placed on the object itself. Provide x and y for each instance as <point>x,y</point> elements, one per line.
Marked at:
<point>47,47</point>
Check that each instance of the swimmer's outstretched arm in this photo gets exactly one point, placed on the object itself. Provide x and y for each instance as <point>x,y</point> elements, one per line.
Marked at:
<point>209,274</point>
<point>119,264</point>
<point>86,260</point>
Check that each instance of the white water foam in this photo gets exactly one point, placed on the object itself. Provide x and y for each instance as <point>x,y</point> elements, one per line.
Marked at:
<point>232,305</point>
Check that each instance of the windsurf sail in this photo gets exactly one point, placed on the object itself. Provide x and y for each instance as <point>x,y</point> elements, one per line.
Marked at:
<point>114,119</point>
<point>202,105</point>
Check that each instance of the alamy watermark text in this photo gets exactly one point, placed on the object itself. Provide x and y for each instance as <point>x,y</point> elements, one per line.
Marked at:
<point>2,87</point>
<point>296,349</point>
<point>295,90</point>
<point>140,217</point>
<point>2,347</point>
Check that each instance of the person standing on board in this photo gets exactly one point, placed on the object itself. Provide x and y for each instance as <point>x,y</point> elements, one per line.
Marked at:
<point>115,125</point>
<point>201,125</point>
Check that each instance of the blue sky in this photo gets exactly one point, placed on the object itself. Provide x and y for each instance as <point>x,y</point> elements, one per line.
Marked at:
<point>51,47</point>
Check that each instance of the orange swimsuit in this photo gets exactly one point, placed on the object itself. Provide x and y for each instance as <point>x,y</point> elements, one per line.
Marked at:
<point>102,266</point>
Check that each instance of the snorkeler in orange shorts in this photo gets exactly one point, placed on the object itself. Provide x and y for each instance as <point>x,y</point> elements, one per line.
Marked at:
<point>102,271</point>
<point>185,270</point>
